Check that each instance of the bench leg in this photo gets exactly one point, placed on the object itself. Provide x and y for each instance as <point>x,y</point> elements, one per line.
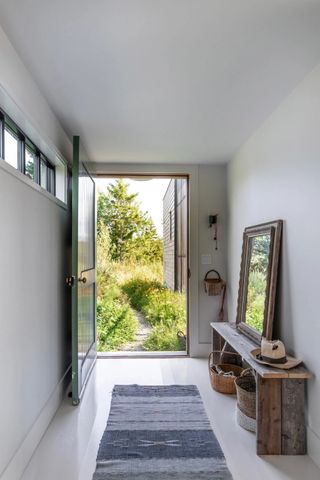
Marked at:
<point>293,424</point>
<point>268,416</point>
<point>280,417</point>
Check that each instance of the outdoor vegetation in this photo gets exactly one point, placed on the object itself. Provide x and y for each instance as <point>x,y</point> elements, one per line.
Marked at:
<point>130,279</point>
<point>257,281</point>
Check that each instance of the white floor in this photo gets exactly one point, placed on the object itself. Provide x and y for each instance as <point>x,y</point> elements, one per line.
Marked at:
<point>68,449</point>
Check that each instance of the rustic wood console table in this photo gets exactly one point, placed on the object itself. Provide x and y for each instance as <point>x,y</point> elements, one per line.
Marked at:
<point>280,397</point>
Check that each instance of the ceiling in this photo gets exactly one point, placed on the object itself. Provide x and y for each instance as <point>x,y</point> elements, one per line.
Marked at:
<point>175,81</point>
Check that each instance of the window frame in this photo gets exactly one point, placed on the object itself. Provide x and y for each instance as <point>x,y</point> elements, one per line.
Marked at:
<point>1,135</point>
<point>24,142</point>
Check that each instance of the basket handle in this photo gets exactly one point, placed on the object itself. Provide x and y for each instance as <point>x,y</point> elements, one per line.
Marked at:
<point>247,372</point>
<point>209,271</point>
<point>209,359</point>
<point>221,352</point>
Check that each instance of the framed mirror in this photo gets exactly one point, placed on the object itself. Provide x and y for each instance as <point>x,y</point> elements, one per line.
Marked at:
<point>258,280</point>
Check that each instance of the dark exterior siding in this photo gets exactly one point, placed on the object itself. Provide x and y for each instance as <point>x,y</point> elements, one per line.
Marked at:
<point>175,232</point>
<point>181,236</point>
<point>169,236</point>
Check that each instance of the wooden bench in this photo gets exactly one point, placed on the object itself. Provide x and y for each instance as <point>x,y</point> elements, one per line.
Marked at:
<point>280,396</point>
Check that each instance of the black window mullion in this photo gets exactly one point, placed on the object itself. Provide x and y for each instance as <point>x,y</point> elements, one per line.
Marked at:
<point>21,154</point>
<point>37,164</point>
<point>54,181</point>
<point>51,178</point>
<point>48,178</point>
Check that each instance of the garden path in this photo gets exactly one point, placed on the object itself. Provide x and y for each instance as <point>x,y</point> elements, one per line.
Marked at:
<point>142,334</point>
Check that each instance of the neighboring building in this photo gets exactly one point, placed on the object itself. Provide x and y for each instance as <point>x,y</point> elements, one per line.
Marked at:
<point>175,231</point>
<point>168,236</point>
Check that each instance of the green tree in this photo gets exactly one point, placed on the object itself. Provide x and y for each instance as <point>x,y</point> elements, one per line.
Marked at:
<point>146,246</point>
<point>132,233</point>
<point>103,250</point>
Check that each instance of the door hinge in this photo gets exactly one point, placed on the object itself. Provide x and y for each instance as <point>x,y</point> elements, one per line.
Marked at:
<point>70,280</point>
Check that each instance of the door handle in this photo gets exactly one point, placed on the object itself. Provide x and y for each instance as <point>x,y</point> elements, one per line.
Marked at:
<point>87,276</point>
<point>70,281</point>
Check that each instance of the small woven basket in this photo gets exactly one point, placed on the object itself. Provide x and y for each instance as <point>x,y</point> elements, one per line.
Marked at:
<point>246,393</point>
<point>213,286</point>
<point>223,375</point>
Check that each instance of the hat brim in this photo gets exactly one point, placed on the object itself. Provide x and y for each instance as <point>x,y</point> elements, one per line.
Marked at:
<point>290,363</point>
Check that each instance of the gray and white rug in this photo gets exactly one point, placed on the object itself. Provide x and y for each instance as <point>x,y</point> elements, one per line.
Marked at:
<point>159,433</point>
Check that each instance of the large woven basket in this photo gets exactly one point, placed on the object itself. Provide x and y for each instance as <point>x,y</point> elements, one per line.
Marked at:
<point>246,393</point>
<point>223,375</point>
<point>244,421</point>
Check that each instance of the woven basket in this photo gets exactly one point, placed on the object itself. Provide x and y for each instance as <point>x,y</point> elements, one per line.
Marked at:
<point>223,375</point>
<point>244,421</point>
<point>246,393</point>
<point>213,286</point>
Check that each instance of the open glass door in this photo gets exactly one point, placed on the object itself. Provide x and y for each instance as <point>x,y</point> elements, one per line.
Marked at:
<point>83,273</point>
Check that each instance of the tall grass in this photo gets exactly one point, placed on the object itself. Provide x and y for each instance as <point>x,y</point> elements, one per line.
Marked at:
<point>124,286</point>
<point>125,271</point>
<point>116,322</point>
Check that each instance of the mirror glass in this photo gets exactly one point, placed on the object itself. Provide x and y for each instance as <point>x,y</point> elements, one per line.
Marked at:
<point>258,267</point>
<point>258,280</point>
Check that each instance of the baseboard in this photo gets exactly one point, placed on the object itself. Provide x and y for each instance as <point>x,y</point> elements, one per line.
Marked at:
<point>16,466</point>
<point>313,442</point>
<point>200,350</point>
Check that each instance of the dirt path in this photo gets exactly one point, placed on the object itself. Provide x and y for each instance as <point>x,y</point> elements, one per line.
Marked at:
<point>142,333</point>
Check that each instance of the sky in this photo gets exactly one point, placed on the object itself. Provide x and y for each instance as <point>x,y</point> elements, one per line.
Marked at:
<point>150,195</point>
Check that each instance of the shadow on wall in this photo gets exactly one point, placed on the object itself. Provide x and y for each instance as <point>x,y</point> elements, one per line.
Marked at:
<point>283,327</point>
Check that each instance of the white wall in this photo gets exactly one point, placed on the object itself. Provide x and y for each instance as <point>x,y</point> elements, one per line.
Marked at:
<point>22,99</point>
<point>34,323</point>
<point>35,333</point>
<point>276,174</point>
<point>207,191</point>
<point>212,200</point>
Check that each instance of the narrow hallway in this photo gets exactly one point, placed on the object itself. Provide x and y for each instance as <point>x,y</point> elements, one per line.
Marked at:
<point>68,449</point>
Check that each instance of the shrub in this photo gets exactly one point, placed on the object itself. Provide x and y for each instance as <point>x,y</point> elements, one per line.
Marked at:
<point>140,292</point>
<point>116,322</point>
<point>166,307</point>
<point>163,309</point>
<point>164,339</point>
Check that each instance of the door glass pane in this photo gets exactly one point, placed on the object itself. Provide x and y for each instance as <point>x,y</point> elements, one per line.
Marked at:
<point>43,175</point>
<point>83,267</point>
<point>86,261</point>
<point>30,163</point>
<point>10,148</point>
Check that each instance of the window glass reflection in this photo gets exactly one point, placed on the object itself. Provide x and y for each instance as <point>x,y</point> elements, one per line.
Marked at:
<point>10,148</point>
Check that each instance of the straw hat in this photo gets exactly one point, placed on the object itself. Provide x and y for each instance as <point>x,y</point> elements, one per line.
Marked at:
<point>273,353</point>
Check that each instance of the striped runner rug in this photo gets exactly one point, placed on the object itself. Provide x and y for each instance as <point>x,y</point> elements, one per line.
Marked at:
<point>159,433</point>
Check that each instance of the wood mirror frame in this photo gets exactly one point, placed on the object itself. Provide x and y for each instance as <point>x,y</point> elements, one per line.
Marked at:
<point>274,230</point>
